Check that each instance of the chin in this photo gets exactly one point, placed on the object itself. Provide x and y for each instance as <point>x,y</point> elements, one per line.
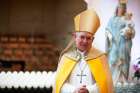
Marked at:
<point>84,49</point>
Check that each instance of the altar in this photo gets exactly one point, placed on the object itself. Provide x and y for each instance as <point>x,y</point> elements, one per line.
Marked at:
<point>42,82</point>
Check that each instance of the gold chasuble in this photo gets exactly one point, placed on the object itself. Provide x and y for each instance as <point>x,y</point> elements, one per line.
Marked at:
<point>97,63</point>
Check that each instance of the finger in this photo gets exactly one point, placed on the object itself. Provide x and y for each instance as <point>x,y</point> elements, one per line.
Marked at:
<point>83,91</point>
<point>77,90</point>
<point>84,86</point>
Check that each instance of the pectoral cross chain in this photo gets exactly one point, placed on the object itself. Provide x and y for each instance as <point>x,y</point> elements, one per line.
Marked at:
<point>81,75</point>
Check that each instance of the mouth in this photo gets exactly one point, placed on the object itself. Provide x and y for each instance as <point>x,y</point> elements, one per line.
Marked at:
<point>84,45</point>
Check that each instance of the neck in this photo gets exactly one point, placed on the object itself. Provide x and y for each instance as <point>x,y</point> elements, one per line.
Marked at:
<point>83,52</point>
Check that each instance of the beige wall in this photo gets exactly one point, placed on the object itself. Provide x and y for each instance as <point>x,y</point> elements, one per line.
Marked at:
<point>53,18</point>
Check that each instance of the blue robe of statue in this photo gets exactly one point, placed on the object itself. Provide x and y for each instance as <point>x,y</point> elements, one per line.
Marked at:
<point>118,47</point>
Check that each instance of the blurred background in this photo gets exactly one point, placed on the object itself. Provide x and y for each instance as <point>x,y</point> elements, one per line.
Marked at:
<point>34,32</point>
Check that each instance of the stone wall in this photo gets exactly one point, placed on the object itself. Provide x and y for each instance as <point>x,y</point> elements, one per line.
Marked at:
<point>51,19</point>
<point>37,52</point>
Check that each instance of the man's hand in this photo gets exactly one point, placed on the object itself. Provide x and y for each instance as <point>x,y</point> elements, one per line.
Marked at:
<point>82,89</point>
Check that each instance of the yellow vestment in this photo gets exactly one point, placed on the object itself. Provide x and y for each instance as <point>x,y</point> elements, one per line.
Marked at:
<point>97,63</point>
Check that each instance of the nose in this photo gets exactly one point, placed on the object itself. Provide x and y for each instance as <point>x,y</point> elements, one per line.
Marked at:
<point>85,40</point>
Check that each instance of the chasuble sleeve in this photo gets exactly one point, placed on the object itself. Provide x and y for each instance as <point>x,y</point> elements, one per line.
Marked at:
<point>67,88</point>
<point>108,73</point>
<point>58,67</point>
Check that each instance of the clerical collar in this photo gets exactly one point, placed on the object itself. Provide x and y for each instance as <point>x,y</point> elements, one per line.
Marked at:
<point>82,53</point>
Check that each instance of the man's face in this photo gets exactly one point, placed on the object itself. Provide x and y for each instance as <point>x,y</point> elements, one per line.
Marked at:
<point>83,40</point>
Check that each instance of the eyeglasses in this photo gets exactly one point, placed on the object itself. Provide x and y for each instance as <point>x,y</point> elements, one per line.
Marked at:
<point>88,38</point>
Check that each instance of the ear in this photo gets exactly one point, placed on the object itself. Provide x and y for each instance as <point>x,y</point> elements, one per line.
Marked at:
<point>74,35</point>
<point>93,38</point>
